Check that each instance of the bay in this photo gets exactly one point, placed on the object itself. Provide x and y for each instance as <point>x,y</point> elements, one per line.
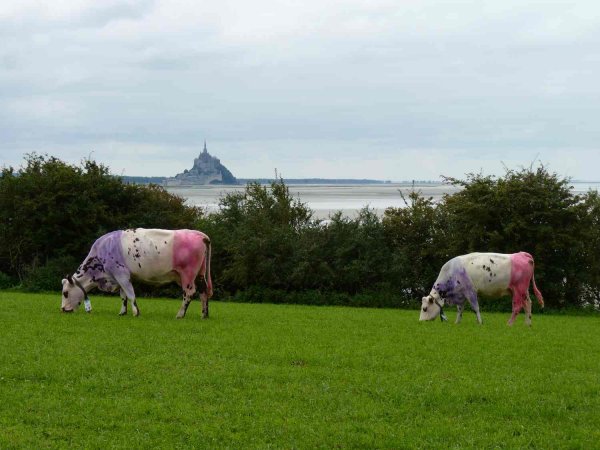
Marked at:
<point>325,199</point>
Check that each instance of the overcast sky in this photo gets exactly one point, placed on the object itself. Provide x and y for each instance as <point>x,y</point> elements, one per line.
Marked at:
<point>393,90</point>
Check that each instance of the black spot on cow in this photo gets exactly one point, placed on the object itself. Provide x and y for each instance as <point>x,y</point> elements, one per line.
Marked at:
<point>92,264</point>
<point>491,260</point>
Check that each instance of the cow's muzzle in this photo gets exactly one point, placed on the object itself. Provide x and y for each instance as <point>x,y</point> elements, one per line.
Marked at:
<point>63,309</point>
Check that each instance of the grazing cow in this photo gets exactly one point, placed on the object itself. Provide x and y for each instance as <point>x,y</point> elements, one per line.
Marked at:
<point>150,255</point>
<point>490,274</point>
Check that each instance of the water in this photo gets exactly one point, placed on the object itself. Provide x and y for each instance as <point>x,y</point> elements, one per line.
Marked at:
<point>325,200</point>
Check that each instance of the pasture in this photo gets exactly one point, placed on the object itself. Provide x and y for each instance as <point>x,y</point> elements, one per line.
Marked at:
<point>257,375</point>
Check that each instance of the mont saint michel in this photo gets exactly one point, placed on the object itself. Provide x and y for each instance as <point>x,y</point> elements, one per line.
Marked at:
<point>207,169</point>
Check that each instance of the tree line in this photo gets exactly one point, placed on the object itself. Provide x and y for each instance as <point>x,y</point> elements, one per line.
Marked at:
<point>268,247</point>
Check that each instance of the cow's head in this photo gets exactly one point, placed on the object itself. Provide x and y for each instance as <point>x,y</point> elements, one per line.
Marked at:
<point>431,307</point>
<point>73,294</point>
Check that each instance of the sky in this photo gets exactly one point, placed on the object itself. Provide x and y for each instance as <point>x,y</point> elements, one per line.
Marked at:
<point>394,90</point>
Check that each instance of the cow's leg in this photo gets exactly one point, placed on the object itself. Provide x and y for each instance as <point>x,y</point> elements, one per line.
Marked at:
<point>123,303</point>
<point>127,289</point>
<point>204,298</point>
<point>187,298</point>
<point>459,308</point>
<point>472,296</point>
<point>515,313</point>
<point>528,311</point>
<point>189,289</point>
<point>478,315</point>
<point>134,307</point>
<point>129,292</point>
<point>517,304</point>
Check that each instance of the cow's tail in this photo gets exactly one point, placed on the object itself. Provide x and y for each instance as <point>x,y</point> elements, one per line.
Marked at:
<point>207,279</point>
<point>536,291</point>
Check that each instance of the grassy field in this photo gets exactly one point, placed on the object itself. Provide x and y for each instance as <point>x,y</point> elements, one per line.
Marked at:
<point>256,376</point>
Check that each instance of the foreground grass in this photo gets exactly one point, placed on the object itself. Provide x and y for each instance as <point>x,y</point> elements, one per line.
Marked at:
<point>291,376</point>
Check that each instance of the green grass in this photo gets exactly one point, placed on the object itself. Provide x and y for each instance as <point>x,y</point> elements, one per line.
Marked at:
<point>256,376</point>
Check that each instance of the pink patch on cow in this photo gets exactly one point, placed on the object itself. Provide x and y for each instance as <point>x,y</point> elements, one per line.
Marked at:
<point>189,252</point>
<point>520,276</point>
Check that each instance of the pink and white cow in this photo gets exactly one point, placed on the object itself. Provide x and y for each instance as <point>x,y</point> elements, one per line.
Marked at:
<point>150,255</point>
<point>490,274</point>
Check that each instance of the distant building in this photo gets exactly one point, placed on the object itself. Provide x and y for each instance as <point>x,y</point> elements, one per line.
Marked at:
<point>207,170</point>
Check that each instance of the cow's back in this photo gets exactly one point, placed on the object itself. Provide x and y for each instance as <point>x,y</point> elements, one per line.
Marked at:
<point>148,253</point>
<point>489,272</point>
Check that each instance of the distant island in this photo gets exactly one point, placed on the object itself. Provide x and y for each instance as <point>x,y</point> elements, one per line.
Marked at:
<point>207,169</point>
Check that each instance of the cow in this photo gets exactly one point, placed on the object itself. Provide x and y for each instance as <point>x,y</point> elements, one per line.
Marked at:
<point>490,274</point>
<point>151,255</point>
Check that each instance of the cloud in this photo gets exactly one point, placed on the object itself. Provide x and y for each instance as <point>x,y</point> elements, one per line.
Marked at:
<point>356,77</point>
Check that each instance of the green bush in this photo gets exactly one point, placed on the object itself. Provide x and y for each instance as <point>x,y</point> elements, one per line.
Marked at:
<point>528,210</point>
<point>6,281</point>
<point>48,277</point>
<point>417,243</point>
<point>51,210</point>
